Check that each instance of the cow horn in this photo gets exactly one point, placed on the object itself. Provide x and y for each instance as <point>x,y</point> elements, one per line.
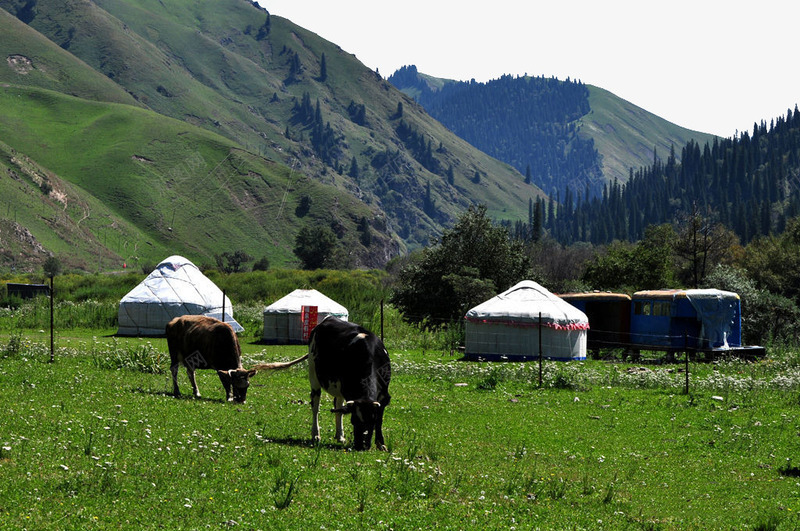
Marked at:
<point>349,403</point>
<point>378,404</point>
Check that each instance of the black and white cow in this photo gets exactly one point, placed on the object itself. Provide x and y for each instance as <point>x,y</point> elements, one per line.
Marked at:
<point>352,365</point>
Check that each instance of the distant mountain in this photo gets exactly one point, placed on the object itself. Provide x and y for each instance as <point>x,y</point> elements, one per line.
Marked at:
<point>135,129</point>
<point>559,133</point>
<point>653,172</point>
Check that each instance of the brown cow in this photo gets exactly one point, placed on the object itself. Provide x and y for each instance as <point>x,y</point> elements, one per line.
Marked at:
<point>200,342</point>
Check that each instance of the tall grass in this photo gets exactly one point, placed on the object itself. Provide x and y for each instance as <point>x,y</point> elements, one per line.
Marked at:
<point>92,301</point>
<point>34,314</point>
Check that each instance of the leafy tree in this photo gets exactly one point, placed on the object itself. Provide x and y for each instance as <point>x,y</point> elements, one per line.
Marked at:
<point>261,264</point>
<point>646,265</point>
<point>315,246</point>
<point>232,262</point>
<point>766,317</point>
<point>469,264</point>
<point>51,266</point>
<point>559,267</point>
<point>701,243</point>
<point>774,261</point>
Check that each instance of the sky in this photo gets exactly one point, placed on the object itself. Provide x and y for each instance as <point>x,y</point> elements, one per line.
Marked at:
<point>715,66</point>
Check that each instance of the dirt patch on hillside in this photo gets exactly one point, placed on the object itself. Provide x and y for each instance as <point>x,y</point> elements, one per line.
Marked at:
<point>19,64</point>
<point>19,248</point>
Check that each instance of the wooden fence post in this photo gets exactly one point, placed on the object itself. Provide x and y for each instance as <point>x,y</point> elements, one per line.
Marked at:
<point>686,347</point>
<point>52,331</point>
<point>540,349</point>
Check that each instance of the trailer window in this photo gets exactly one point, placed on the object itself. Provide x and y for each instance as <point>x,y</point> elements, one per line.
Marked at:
<point>641,307</point>
<point>661,308</point>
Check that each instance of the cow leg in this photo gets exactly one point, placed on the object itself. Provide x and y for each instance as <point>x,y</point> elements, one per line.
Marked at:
<point>337,403</point>
<point>195,390</point>
<point>175,391</point>
<point>315,398</point>
<point>227,383</point>
<point>379,444</point>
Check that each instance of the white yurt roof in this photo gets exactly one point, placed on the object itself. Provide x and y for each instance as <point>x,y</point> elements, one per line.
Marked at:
<point>294,302</point>
<point>523,302</point>
<point>175,287</point>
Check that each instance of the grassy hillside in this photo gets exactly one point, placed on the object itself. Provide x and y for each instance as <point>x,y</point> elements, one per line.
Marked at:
<point>218,66</point>
<point>626,135</point>
<point>33,60</point>
<point>142,186</point>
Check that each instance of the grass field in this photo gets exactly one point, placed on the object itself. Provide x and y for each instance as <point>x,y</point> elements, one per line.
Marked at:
<point>95,441</point>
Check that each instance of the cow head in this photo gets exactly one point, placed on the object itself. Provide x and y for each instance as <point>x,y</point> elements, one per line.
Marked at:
<point>238,380</point>
<point>363,414</point>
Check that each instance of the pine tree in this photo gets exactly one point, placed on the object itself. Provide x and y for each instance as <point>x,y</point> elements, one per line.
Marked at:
<point>354,171</point>
<point>323,69</point>
<point>263,31</point>
<point>536,228</point>
<point>530,212</point>
<point>294,67</point>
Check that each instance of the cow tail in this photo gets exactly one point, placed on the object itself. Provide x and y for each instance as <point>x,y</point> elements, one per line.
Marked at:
<point>278,365</point>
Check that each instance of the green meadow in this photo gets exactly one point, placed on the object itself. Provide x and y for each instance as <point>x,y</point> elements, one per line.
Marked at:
<point>94,439</point>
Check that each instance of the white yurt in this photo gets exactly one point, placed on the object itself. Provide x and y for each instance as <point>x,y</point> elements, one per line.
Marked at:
<point>507,326</point>
<point>175,287</point>
<point>283,319</point>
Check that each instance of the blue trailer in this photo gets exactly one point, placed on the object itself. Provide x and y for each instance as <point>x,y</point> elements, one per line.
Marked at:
<point>706,320</point>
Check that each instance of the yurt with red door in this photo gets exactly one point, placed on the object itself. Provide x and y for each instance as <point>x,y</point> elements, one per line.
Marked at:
<point>288,320</point>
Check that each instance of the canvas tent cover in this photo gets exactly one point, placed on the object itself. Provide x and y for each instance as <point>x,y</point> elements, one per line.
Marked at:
<point>718,312</point>
<point>507,326</point>
<point>176,287</point>
<point>283,323</point>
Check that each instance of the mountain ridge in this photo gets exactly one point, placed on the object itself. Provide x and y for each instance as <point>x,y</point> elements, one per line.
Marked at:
<point>549,127</point>
<point>289,130</point>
